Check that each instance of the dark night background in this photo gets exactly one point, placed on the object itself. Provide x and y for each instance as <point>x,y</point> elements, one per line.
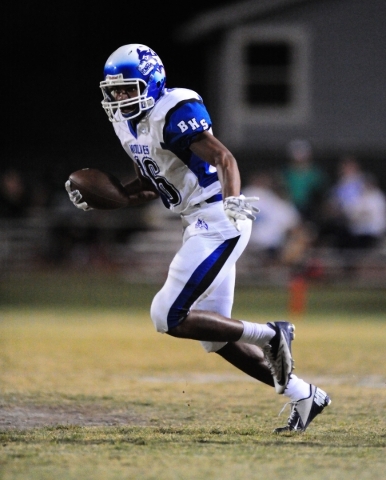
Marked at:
<point>55,57</point>
<point>53,122</point>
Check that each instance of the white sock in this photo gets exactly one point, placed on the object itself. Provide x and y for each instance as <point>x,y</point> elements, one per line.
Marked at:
<point>256,333</point>
<point>297,388</point>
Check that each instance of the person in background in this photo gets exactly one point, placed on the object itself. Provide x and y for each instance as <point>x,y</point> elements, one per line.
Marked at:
<point>278,218</point>
<point>366,216</point>
<point>354,211</point>
<point>349,185</point>
<point>304,181</point>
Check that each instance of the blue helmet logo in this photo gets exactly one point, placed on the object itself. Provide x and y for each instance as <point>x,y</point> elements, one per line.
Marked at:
<point>148,61</point>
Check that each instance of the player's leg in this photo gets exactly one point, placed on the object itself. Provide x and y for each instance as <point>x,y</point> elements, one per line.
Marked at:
<point>198,269</point>
<point>205,259</point>
<point>245,357</point>
<point>249,359</point>
<point>306,400</point>
<point>203,262</point>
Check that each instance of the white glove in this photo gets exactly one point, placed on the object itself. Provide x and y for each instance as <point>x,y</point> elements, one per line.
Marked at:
<point>239,209</point>
<point>76,197</point>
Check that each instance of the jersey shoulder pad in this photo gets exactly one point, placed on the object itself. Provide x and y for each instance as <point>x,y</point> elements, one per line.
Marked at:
<point>173,96</point>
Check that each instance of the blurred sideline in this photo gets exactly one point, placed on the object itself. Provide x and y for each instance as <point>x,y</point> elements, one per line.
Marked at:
<point>313,228</point>
<point>140,243</point>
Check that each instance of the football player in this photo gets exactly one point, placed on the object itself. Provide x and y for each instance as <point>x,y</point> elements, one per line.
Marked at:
<point>167,133</point>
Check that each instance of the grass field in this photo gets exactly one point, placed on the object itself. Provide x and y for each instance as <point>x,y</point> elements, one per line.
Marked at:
<point>90,391</point>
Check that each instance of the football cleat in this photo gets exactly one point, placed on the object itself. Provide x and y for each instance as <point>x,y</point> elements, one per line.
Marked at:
<point>305,410</point>
<point>278,353</point>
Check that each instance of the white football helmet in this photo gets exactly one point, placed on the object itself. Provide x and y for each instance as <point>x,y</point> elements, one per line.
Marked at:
<point>137,66</point>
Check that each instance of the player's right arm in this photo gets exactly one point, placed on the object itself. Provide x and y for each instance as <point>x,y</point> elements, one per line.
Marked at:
<point>140,190</point>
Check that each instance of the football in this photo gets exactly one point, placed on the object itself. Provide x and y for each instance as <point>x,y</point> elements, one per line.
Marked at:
<point>101,190</point>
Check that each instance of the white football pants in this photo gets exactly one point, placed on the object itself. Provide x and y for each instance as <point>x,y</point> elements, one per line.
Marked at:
<point>202,273</point>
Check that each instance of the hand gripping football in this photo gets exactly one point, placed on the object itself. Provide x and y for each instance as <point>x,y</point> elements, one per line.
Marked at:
<point>100,190</point>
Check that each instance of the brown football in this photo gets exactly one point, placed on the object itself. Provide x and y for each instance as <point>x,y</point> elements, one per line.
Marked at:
<point>101,190</point>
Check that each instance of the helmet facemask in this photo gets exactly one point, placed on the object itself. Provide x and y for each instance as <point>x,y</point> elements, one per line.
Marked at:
<point>137,69</point>
<point>137,104</point>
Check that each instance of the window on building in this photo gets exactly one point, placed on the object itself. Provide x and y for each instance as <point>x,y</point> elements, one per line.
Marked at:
<point>268,74</point>
<point>270,81</point>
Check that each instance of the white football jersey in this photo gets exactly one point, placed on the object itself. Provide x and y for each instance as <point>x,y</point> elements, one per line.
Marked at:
<point>160,147</point>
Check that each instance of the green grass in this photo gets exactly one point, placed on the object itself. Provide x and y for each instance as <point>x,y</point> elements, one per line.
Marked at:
<point>91,391</point>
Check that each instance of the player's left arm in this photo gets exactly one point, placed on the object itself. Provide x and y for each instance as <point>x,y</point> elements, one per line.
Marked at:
<point>212,151</point>
<point>189,127</point>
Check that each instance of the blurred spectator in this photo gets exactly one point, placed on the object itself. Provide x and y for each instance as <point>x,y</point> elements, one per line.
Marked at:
<point>14,195</point>
<point>366,217</point>
<point>305,182</point>
<point>278,217</point>
<point>280,236</point>
<point>355,211</point>
<point>349,186</point>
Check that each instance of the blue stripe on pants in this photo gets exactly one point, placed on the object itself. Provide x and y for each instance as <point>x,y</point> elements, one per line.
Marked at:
<point>200,281</point>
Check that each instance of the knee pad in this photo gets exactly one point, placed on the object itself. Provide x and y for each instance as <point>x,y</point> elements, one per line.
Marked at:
<point>166,315</point>
<point>210,347</point>
<point>158,314</point>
